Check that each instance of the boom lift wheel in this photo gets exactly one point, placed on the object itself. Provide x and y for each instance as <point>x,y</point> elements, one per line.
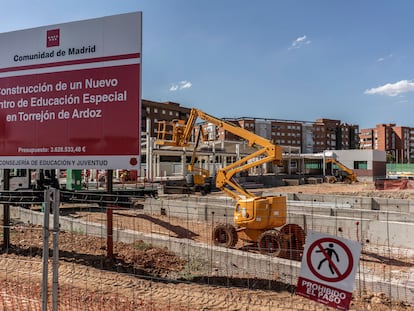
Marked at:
<point>269,243</point>
<point>293,237</point>
<point>225,235</point>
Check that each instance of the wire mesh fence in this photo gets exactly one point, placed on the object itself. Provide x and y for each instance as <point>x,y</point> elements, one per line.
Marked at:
<point>160,255</point>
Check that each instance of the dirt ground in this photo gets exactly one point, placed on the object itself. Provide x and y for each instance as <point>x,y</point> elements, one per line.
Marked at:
<point>140,277</point>
<point>366,189</point>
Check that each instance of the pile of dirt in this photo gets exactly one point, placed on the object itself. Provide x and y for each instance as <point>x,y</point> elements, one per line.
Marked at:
<point>138,258</point>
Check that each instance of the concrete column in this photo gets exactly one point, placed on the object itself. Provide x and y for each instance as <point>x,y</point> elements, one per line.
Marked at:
<point>151,162</point>
<point>157,165</point>
<point>148,151</point>
<point>183,166</point>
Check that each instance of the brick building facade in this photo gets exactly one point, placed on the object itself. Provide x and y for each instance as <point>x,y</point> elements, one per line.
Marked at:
<point>396,141</point>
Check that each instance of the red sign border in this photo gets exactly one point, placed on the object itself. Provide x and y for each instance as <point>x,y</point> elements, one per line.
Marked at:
<point>347,251</point>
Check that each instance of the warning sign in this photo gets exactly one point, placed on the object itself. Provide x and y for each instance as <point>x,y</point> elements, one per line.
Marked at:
<point>328,269</point>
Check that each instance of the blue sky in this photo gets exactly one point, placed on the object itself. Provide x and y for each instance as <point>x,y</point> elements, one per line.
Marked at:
<point>294,59</point>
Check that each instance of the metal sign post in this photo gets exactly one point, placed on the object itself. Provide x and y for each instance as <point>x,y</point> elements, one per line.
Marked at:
<point>45,255</point>
<point>55,269</point>
<point>6,212</point>
<point>51,199</point>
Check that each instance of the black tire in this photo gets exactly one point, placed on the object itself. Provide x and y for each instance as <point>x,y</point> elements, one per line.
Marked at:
<point>225,235</point>
<point>294,240</point>
<point>269,243</point>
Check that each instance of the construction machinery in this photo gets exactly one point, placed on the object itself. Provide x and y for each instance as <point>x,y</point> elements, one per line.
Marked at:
<point>257,219</point>
<point>199,179</point>
<point>344,174</point>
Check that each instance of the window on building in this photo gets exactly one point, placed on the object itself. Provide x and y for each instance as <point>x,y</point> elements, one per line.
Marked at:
<point>361,165</point>
<point>155,110</point>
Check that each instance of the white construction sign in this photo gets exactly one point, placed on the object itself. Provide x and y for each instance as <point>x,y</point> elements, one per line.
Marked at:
<point>70,95</point>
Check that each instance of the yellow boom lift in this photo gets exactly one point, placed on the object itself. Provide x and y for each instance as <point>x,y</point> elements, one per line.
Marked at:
<point>257,219</point>
<point>345,174</point>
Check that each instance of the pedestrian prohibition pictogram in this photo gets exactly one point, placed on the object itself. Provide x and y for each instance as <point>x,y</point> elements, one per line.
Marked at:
<point>327,273</point>
<point>329,250</point>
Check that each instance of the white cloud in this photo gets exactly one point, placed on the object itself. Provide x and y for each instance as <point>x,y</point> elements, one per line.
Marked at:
<point>299,42</point>
<point>392,89</point>
<point>185,84</point>
<point>173,88</point>
<point>180,86</point>
<point>381,59</point>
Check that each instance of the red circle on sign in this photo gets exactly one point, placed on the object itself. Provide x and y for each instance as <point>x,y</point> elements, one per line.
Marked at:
<point>340,277</point>
<point>133,161</point>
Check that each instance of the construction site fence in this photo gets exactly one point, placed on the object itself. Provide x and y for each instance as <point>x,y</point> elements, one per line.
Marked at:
<point>182,225</point>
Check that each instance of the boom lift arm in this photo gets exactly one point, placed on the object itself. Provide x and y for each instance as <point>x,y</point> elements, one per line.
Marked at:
<point>268,152</point>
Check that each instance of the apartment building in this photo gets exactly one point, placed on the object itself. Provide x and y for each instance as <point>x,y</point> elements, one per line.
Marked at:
<point>282,132</point>
<point>331,134</point>
<point>396,141</point>
<point>309,137</point>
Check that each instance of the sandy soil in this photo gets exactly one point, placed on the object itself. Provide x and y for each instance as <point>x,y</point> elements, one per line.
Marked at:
<point>366,189</point>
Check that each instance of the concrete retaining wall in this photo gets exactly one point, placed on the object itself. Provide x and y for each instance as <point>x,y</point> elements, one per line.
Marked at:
<point>377,226</point>
<point>384,204</point>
